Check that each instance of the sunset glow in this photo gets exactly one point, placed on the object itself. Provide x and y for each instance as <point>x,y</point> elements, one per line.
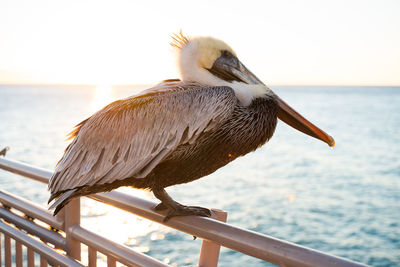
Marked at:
<point>127,42</point>
<point>102,95</point>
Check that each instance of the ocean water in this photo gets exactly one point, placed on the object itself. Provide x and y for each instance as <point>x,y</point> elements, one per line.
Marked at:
<point>344,201</point>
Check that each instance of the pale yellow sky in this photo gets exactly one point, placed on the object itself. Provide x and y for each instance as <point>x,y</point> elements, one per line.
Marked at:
<point>126,42</point>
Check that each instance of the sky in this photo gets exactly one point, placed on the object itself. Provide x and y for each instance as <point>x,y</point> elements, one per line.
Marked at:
<point>127,42</point>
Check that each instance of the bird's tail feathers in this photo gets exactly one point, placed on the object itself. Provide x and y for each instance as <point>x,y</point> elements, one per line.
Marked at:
<point>63,200</point>
<point>52,197</point>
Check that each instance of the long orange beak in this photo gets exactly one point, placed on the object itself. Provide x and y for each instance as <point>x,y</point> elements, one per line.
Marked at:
<point>229,68</point>
<point>294,119</point>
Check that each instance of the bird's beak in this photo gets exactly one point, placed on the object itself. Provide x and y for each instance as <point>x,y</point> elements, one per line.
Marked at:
<point>294,119</point>
<point>229,68</point>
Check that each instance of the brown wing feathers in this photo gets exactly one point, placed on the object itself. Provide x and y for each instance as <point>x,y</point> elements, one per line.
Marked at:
<point>129,137</point>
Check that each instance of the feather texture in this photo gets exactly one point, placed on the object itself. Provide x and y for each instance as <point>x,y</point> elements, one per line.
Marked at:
<point>130,137</point>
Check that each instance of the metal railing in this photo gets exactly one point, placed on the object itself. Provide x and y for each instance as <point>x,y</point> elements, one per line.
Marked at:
<point>213,232</point>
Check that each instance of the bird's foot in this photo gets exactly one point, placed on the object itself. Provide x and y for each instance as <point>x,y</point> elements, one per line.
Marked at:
<point>182,210</point>
<point>175,208</point>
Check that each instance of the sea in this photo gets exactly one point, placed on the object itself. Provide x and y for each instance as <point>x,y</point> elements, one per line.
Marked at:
<point>343,201</point>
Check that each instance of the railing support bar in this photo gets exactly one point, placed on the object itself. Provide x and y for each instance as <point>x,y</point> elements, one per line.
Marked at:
<point>7,251</point>
<point>209,252</point>
<point>1,259</point>
<point>46,235</point>
<point>31,257</point>
<point>116,251</point>
<point>37,245</point>
<point>111,262</point>
<point>31,209</point>
<point>18,254</point>
<point>92,257</point>
<point>73,217</point>
<point>43,261</point>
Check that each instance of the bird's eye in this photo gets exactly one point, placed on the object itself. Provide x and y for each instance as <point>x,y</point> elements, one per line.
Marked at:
<point>226,54</point>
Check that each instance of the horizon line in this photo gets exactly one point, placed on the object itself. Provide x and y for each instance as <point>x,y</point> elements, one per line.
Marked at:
<point>150,84</point>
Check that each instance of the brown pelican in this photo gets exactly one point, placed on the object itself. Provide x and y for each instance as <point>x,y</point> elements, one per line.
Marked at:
<point>177,131</point>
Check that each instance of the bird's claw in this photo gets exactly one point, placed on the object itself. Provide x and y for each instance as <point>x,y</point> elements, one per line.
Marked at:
<point>186,211</point>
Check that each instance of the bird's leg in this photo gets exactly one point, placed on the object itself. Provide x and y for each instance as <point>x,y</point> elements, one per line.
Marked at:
<point>175,208</point>
<point>160,206</point>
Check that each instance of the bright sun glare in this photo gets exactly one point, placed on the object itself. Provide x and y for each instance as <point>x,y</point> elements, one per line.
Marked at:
<point>102,95</point>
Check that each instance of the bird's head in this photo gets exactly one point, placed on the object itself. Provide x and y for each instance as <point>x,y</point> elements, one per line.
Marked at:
<point>212,62</point>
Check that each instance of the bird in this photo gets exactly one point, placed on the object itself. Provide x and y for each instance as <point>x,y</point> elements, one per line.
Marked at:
<point>175,132</point>
<point>3,152</point>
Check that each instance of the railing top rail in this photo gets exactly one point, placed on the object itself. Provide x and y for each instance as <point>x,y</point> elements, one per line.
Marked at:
<point>30,227</point>
<point>27,170</point>
<point>254,244</point>
<point>121,253</point>
<point>31,209</point>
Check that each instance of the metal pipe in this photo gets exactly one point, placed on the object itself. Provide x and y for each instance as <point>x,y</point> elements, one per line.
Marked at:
<point>72,217</point>
<point>92,257</point>
<point>209,252</point>
<point>46,235</point>
<point>254,244</point>
<point>111,262</point>
<point>264,247</point>
<point>27,170</point>
<point>18,254</point>
<point>39,247</point>
<point>119,252</point>
<point>43,261</point>
<point>31,209</point>
<point>31,257</point>
<point>1,259</point>
<point>7,250</point>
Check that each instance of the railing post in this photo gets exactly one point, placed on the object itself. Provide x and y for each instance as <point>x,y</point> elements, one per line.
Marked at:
<point>31,257</point>
<point>72,217</point>
<point>209,252</point>
<point>7,251</point>
<point>18,254</point>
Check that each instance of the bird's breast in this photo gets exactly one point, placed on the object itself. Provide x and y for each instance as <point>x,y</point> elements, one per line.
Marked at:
<point>252,126</point>
<point>247,129</point>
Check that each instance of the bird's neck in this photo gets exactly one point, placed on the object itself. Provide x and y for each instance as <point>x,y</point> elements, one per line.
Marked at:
<point>246,93</point>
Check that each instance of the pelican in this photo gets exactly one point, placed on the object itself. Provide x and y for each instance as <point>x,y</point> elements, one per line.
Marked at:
<point>176,132</point>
